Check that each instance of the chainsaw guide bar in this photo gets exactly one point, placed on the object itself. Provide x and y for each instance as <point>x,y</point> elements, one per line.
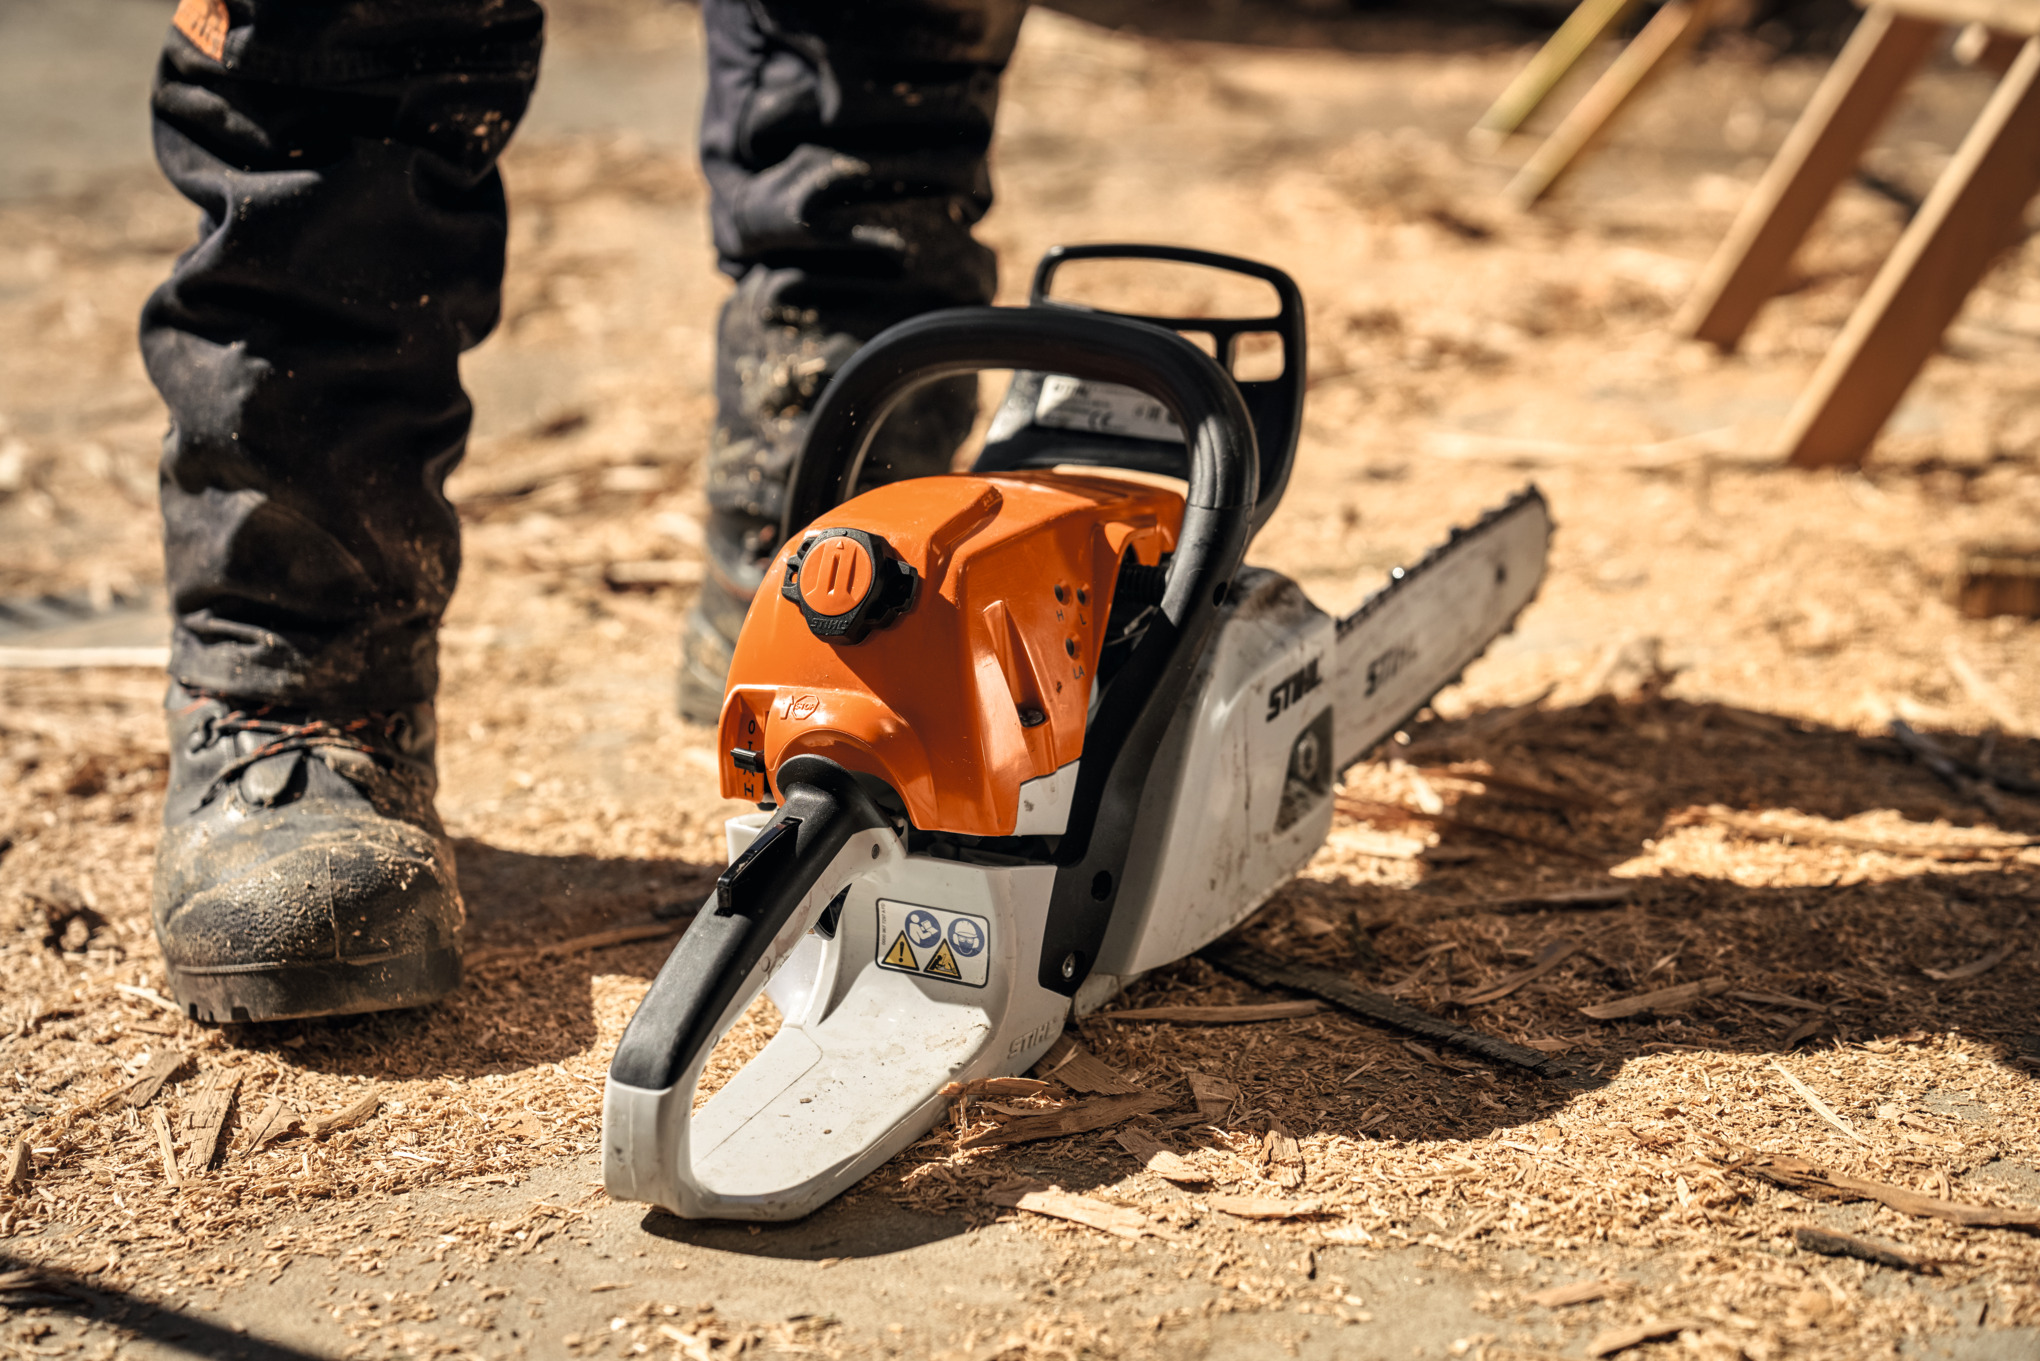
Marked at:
<point>1016,735</point>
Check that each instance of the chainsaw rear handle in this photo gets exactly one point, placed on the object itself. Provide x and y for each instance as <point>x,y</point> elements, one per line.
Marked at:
<point>708,979</point>
<point>1223,455</point>
<point>1274,404</point>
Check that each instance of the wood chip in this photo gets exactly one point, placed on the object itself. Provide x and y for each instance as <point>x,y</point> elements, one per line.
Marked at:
<point>1215,1097</point>
<point>1774,999</point>
<point>1266,971</point>
<point>149,995</point>
<point>1831,1244</point>
<point>1820,1107</point>
<point>161,1124</point>
<point>1161,1161</point>
<point>999,1086</point>
<point>1581,1292</point>
<point>574,945</point>
<point>1229,1015</point>
<point>650,574</point>
<point>1056,1203</point>
<point>206,1117</point>
<point>1282,1157</point>
<point>19,1165</point>
<point>1658,1002</point>
<point>1975,966</point>
<point>1078,1069</point>
<point>276,1120</point>
<point>1600,895</point>
<point>1080,1118</point>
<point>1379,845</point>
<point>343,1119</point>
<point>1797,1174</point>
<point>1263,1207</point>
<point>1757,828</point>
<point>150,1080</point>
<point>1635,1335</point>
<point>1549,958</point>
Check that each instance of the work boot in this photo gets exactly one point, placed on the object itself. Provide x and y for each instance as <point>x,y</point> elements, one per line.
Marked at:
<point>303,871</point>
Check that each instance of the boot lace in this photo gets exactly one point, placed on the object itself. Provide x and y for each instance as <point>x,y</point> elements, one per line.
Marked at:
<point>309,736</point>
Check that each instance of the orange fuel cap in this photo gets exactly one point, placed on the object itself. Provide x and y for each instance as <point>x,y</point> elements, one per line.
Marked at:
<point>836,576</point>
<point>847,582</point>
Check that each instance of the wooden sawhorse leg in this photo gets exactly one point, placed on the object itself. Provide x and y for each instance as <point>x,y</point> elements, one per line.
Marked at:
<point>1960,231</point>
<point>1668,34</point>
<point>1851,104</point>
<point>1535,82</point>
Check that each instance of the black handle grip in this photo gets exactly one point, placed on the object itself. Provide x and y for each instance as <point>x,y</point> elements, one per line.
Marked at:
<point>676,1023</point>
<point>1224,458</point>
<point>1275,404</point>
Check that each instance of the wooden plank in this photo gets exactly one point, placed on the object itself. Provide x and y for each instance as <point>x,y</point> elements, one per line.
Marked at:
<point>1852,103</point>
<point>1589,22</point>
<point>1263,1207</point>
<point>1831,1244</point>
<point>20,1167</point>
<point>1264,970</point>
<point>206,1117</point>
<point>1663,40</point>
<point>1957,236</point>
<point>2007,16</point>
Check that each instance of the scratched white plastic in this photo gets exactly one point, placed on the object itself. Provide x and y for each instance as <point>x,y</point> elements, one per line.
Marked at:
<point>855,1073</point>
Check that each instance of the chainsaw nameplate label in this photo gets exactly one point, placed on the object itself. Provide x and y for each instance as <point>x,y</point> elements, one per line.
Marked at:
<point>1103,409</point>
<point>955,947</point>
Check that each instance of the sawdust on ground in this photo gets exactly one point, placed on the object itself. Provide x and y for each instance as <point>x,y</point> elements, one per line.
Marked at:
<point>1692,710</point>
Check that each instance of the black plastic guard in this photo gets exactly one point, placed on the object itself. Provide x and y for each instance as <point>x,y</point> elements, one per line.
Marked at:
<point>676,1023</point>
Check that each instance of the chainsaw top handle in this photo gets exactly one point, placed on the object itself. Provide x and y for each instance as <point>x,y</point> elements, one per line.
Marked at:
<point>1275,405</point>
<point>1149,688</point>
<point>1224,458</point>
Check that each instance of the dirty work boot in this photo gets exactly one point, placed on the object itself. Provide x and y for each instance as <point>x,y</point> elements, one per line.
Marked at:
<point>303,871</point>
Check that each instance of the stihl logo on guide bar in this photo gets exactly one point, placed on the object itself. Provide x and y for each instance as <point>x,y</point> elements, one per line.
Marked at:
<point>1293,688</point>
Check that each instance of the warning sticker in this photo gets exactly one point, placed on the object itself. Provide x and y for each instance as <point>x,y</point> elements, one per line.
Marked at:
<point>934,942</point>
<point>1103,408</point>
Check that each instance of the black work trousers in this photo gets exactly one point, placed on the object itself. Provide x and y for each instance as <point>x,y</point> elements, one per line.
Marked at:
<point>343,155</point>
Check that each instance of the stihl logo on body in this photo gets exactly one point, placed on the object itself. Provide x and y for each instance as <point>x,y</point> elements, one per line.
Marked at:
<point>1293,688</point>
<point>1382,669</point>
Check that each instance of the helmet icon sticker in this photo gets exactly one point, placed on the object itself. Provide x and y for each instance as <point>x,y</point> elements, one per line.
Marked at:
<point>966,937</point>
<point>934,943</point>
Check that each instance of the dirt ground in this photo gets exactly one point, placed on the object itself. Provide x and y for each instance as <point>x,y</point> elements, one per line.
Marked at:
<point>1693,711</point>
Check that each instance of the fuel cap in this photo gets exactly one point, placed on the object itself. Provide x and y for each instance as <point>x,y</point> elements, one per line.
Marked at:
<point>847,582</point>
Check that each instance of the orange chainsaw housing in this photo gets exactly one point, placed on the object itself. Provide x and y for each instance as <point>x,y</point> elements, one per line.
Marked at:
<point>1017,573</point>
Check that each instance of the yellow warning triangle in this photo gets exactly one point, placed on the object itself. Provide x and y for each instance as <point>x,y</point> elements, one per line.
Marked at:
<point>944,963</point>
<point>901,956</point>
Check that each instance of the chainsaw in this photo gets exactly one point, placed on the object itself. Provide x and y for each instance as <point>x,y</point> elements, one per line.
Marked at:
<point>1016,735</point>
